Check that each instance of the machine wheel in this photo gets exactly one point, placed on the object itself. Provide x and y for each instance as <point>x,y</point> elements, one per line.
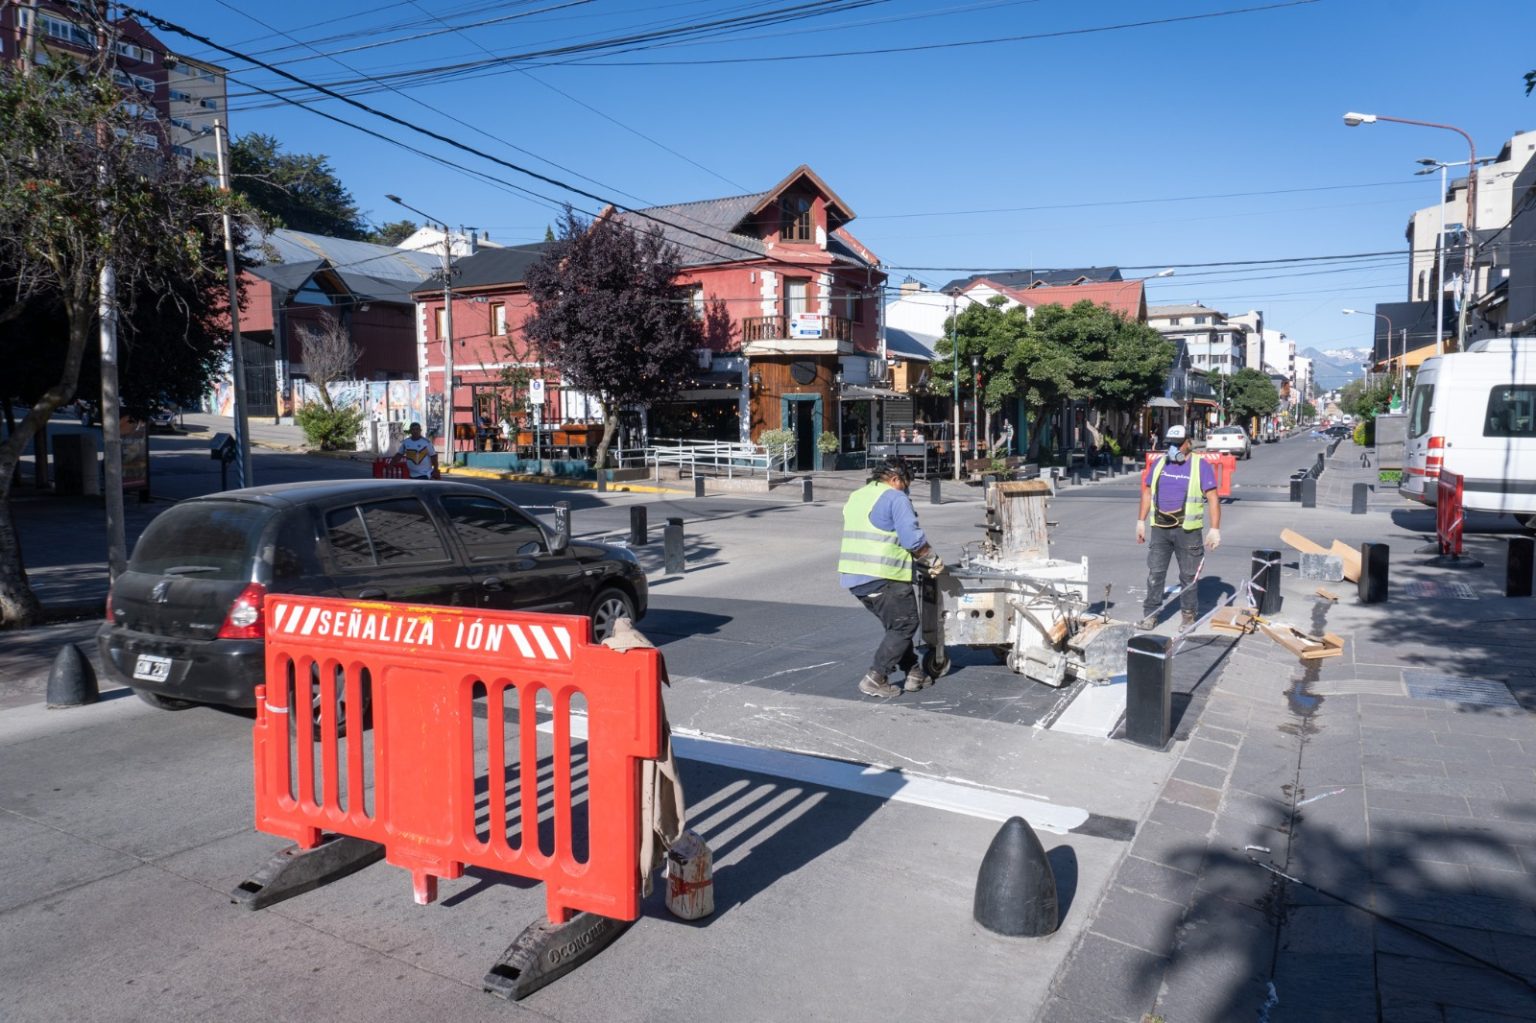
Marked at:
<point>1527,522</point>
<point>608,607</point>
<point>935,663</point>
<point>1012,660</point>
<point>1002,653</point>
<point>159,702</point>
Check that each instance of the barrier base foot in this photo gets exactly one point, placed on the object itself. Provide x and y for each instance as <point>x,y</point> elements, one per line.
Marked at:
<point>295,871</point>
<point>548,951</point>
<point>1453,561</point>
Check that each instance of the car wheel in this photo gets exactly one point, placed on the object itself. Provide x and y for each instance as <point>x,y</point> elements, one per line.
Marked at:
<point>608,607</point>
<point>342,717</point>
<point>159,702</point>
<point>1527,521</point>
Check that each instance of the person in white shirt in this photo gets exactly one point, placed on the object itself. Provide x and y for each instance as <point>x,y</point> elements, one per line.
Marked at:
<point>418,454</point>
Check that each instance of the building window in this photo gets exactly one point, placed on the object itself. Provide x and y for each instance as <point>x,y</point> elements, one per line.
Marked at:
<point>441,318</point>
<point>498,319</point>
<point>693,294</point>
<point>796,296</point>
<point>144,84</point>
<point>1175,321</point>
<point>850,306</point>
<point>1201,319</point>
<point>209,104</point>
<point>177,96</point>
<point>795,219</point>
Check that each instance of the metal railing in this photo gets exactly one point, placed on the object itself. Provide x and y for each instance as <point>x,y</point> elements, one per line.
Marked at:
<point>717,458</point>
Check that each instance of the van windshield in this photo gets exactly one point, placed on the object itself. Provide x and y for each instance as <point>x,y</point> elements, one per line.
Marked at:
<point>1418,413</point>
<point>1511,411</point>
<point>208,539</point>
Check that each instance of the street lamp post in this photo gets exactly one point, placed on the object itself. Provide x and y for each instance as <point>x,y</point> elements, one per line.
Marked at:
<point>1429,168</point>
<point>447,324</point>
<point>954,352</point>
<point>1354,120</point>
<point>975,406</point>
<point>1383,316</point>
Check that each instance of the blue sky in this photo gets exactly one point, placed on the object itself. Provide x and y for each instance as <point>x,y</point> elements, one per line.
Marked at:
<point>1192,141</point>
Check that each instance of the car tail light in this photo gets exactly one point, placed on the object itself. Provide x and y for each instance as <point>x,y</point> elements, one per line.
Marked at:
<point>109,605</point>
<point>246,619</point>
<point>1435,460</point>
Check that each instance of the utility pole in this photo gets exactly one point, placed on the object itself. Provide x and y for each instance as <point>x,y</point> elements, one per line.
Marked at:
<point>447,322</point>
<point>243,475</point>
<point>111,407</point>
<point>954,351</point>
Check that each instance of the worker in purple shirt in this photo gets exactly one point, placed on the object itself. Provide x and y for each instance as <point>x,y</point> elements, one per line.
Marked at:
<point>882,542</point>
<point>1175,492</point>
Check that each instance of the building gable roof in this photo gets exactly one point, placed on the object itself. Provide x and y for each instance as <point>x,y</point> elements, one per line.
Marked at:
<point>1125,297</point>
<point>838,212</point>
<point>490,267</point>
<point>1027,278</point>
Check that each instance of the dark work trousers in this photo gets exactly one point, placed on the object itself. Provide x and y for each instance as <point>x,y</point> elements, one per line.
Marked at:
<point>1163,545</point>
<point>896,606</point>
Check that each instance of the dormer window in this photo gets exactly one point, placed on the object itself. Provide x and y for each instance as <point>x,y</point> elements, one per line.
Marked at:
<point>795,219</point>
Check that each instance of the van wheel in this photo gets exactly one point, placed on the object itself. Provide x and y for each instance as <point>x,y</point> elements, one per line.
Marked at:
<point>159,702</point>
<point>608,607</point>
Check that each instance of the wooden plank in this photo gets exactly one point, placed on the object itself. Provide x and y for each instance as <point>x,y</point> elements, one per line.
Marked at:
<point>1351,558</point>
<point>1294,539</point>
<point>1308,648</point>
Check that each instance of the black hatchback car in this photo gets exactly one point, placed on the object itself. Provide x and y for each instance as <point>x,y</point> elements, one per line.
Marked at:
<point>185,622</point>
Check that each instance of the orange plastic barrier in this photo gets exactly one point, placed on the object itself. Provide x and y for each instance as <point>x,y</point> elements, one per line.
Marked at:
<point>452,786</point>
<point>1223,464</point>
<point>388,469</point>
<point>1448,514</point>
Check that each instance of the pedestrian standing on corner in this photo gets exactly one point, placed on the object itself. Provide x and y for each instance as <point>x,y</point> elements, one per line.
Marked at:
<point>418,454</point>
<point>882,545</point>
<point>1175,491</point>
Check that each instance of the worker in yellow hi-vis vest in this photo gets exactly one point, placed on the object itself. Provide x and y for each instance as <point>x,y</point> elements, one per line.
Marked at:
<point>1175,492</point>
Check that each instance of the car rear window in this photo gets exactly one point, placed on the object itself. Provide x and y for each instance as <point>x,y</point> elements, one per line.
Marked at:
<point>1511,411</point>
<point>384,533</point>
<point>208,539</point>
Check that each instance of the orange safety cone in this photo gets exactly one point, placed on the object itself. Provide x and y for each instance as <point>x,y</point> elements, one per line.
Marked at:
<point>690,878</point>
<point>1016,888</point>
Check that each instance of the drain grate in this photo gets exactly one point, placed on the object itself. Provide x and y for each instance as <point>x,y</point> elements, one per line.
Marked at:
<point>1437,590</point>
<point>1483,692</point>
<point>1357,687</point>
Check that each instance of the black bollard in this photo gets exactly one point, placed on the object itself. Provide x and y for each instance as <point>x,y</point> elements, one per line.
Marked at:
<point>602,481</point>
<point>71,680</point>
<point>1296,486</point>
<point>935,495</point>
<point>1373,572</point>
<point>698,486</point>
<point>1149,690</point>
<point>672,546</point>
<point>1309,492</point>
<point>1360,499</point>
<point>807,491</point>
<point>1015,887</point>
<point>563,519</point>
<point>639,532</point>
<point>1265,570</point>
<point>1518,566</point>
<point>1317,470</point>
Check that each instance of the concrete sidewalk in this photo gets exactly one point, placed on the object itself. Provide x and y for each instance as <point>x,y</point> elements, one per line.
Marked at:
<point>1347,839</point>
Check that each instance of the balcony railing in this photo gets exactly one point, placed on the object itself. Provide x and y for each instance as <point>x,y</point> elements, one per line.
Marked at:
<point>776,328</point>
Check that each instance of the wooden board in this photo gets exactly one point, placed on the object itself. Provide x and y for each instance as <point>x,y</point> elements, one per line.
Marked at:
<point>1235,620</point>
<point>1308,648</point>
<point>1351,558</point>
<point>1294,539</point>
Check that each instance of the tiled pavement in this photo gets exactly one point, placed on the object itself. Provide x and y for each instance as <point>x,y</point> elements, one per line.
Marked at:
<point>1419,811</point>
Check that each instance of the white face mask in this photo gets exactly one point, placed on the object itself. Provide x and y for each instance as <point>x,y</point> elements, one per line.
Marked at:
<point>1176,453</point>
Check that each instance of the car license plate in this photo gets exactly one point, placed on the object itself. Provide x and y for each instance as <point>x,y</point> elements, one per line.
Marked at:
<point>151,668</point>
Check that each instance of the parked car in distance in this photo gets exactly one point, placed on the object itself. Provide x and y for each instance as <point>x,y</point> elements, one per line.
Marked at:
<point>185,622</point>
<point>162,418</point>
<point>1233,439</point>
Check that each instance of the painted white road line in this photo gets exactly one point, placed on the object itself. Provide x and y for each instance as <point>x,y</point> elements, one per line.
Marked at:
<point>893,784</point>
<point>1096,710</point>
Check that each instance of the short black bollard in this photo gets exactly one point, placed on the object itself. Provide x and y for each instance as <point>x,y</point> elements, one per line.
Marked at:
<point>71,680</point>
<point>639,531</point>
<point>1296,486</point>
<point>1309,492</point>
<point>698,486</point>
<point>1519,566</point>
<point>1149,690</point>
<point>807,491</point>
<point>1265,571</point>
<point>563,520</point>
<point>1373,572</point>
<point>672,546</point>
<point>1317,470</point>
<point>935,492</point>
<point>602,481</point>
<point>1016,887</point>
<point>1360,499</point>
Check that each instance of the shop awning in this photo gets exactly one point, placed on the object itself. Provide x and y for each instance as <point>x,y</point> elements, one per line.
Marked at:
<point>1161,402</point>
<point>1204,401</point>
<point>852,392</point>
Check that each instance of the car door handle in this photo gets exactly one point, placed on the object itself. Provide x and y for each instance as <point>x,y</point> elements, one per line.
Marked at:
<point>492,582</point>
<point>370,594</point>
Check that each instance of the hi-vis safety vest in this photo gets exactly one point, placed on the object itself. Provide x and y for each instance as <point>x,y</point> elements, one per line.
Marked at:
<point>1194,501</point>
<point>867,550</point>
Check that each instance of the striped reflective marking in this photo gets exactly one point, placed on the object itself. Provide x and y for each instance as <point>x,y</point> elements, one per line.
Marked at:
<point>859,534</point>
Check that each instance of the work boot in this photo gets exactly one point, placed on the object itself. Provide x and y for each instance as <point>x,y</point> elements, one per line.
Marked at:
<point>874,684</point>
<point>1148,623</point>
<point>917,679</point>
<point>1186,618</point>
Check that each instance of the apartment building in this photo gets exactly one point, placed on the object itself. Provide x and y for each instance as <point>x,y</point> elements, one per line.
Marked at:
<point>1216,343</point>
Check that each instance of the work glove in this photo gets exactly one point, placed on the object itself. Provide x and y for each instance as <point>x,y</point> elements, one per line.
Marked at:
<point>932,564</point>
<point>1141,530</point>
<point>1212,538</point>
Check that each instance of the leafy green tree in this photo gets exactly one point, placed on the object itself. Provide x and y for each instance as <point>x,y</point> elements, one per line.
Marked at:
<point>78,192</point>
<point>1250,394</point>
<point>1308,410</point>
<point>1366,400</point>
<point>609,316</point>
<point>394,232</point>
<point>299,191</point>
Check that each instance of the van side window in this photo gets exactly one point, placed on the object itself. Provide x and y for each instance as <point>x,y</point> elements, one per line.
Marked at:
<point>385,533</point>
<point>1511,411</point>
<point>490,529</point>
<point>1418,413</point>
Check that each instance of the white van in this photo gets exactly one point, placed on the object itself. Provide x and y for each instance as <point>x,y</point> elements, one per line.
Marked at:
<point>1474,413</point>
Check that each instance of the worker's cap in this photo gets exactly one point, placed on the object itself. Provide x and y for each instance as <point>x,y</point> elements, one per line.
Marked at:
<point>894,465</point>
<point>1176,433</point>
